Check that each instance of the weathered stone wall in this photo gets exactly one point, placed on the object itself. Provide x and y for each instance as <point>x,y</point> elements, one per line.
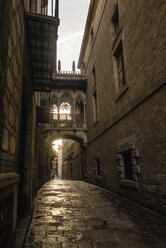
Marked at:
<point>43,155</point>
<point>76,161</point>
<point>11,69</point>
<point>18,160</point>
<point>134,116</point>
<point>30,182</point>
<point>12,42</point>
<point>72,160</point>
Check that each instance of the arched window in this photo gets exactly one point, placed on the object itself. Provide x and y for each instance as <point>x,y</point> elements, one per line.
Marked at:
<point>66,107</point>
<point>79,109</point>
<point>54,112</point>
<point>65,111</point>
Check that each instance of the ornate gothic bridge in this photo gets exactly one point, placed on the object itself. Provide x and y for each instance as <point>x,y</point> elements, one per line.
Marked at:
<point>61,110</point>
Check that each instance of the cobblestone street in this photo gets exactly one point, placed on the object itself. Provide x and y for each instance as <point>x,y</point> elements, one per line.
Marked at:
<point>72,214</point>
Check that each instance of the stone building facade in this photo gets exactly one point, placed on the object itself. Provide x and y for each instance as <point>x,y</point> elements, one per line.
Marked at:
<point>72,166</point>
<point>22,169</point>
<point>123,57</point>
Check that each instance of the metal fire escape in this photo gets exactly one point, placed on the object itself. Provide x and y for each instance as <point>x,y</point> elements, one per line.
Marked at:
<point>42,27</point>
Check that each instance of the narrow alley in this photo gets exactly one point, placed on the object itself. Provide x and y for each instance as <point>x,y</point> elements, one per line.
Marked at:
<point>82,124</point>
<point>74,214</point>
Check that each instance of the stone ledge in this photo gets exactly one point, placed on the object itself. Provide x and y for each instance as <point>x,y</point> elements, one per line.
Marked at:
<point>8,179</point>
<point>129,183</point>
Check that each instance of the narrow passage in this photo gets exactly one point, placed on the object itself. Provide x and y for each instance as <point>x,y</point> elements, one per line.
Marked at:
<point>73,214</point>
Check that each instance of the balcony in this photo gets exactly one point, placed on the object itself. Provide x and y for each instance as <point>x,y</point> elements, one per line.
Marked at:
<point>61,122</point>
<point>42,28</point>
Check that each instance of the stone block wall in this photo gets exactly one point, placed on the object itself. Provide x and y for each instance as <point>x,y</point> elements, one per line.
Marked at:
<point>129,119</point>
<point>72,161</point>
<point>12,32</point>
<point>11,69</point>
<point>18,162</point>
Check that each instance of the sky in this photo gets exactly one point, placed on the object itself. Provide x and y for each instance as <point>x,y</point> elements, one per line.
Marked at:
<point>73,15</point>
<point>56,143</point>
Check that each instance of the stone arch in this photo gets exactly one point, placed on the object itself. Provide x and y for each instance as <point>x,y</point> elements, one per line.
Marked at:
<point>66,98</point>
<point>79,137</point>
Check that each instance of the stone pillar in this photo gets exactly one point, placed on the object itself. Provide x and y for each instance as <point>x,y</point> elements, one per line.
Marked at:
<point>74,110</point>
<point>84,111</point>
<point>58,109</point>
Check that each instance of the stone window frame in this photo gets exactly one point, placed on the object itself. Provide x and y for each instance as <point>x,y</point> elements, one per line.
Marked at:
<point>99,158</point>
<point>95,99</point>
<point>95,107</point>
<point>115,20</point>
<point>120,43</point>
<point>127,146</point>
<point>94,77</point>
<point>120,58</point>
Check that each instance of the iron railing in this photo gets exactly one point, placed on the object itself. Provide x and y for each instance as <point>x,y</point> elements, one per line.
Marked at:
<point>45,7</point>
<point>67,117</point>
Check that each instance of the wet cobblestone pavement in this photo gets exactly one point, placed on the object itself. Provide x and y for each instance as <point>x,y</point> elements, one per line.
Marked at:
<point>72,214</point>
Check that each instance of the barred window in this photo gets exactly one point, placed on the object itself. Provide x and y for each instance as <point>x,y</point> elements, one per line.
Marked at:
<point>127,165</point>
<point>120,66</point>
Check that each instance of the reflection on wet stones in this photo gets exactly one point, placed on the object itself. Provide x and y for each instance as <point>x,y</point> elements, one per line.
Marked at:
<point>70,214</point>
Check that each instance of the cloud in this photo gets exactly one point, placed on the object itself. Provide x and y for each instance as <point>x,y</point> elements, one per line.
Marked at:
<point>68,50</point>
<point>65,39</point>
<point>72,22</point>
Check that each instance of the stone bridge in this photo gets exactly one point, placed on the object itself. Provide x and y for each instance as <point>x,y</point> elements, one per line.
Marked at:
<point>61,111</point>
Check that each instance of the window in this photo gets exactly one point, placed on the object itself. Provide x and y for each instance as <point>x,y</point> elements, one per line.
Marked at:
<point>115,20</point>
<point>65,111</point>
<point>79,109</point>
<point>98,166</point>
<point>120,66</point>
<point>91,31</point>
<point>94,75</point>
<point>95,101</point>
<point>95,109</point>
<point>128,162</point>
<point>127,165</point>
<point>54,112</point>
